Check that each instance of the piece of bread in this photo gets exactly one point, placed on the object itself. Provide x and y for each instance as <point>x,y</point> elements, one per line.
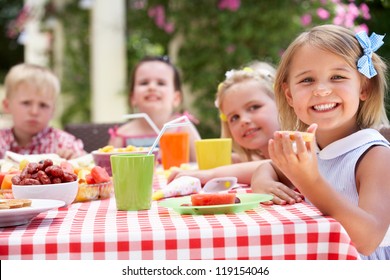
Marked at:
<point>14,203</point>
<point>25,202</point>
<point>307,136</point>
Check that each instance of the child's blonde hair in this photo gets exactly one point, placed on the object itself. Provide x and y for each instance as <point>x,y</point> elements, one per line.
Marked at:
<point>263,73</point>
<point>342,42</point>
<point>40,77</point>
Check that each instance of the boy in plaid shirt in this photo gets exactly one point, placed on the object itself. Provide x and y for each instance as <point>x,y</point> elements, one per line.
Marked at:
<point>31,92</point>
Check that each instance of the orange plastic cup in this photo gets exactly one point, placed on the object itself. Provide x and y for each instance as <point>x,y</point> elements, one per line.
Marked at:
<point>175,149</point>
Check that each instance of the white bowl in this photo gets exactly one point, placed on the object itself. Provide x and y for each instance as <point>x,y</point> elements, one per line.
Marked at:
<point>64,191</point>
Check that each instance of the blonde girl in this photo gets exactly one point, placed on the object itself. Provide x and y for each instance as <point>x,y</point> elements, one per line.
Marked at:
<point>249,116</point>
<point>331,82</point>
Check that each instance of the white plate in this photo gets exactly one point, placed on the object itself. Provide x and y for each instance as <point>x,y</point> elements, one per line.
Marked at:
<point>21,216</point>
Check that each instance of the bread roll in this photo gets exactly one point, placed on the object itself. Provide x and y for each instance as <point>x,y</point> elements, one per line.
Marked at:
<point>307,136</point>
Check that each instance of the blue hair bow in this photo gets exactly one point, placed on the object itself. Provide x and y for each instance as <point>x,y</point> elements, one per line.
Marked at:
<point>369,45</point>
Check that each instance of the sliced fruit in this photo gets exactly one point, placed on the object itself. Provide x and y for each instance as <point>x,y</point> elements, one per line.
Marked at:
<point>100,175</point>
<point>203,199</point>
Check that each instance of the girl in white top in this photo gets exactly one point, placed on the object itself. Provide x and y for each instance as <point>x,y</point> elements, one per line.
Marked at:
<point>331,83</point>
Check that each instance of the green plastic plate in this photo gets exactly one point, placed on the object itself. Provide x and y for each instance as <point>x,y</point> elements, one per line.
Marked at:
<point>248,201</point>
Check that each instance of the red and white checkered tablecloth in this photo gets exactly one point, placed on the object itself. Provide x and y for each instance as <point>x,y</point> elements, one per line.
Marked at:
<point>96,230</point>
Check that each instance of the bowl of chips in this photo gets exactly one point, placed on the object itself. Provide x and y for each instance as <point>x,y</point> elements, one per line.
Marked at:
<point>101,156</point>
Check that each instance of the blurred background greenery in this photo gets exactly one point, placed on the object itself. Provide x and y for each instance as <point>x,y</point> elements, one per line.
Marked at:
<point>204,38</point>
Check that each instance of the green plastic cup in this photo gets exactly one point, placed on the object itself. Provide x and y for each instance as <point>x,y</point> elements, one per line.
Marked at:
<point>133,181</point>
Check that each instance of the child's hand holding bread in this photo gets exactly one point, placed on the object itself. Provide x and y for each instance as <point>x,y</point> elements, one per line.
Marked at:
<point>289,156</point>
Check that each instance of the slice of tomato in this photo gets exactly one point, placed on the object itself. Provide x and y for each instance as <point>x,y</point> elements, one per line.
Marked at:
<point>100,174</point>
<point>2,174</point>
<point>89,179</point>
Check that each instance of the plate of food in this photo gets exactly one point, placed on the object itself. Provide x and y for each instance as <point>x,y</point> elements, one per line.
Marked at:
<point>14,212</point>
<point>215,203</point>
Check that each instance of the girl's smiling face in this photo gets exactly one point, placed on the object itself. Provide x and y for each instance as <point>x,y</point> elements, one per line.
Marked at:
<point>324,89</point>
<point>154,88</point>
<point>251,115</point>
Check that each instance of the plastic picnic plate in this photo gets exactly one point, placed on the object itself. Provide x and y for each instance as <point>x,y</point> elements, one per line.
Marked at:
<point>23,215</point>
<point>247,201</point>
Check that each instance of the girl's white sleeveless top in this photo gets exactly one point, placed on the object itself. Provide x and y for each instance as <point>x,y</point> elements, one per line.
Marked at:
<point>337,164</point>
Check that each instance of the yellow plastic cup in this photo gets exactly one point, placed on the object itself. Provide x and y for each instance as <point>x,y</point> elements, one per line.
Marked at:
<point>211,153</point>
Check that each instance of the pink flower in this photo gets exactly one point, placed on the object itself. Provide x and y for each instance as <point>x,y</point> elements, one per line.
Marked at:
<point>169,27</point>
<point>361,27</point>
<point>338,20</point>
<point>159,16</point>
<point>349,21</point>
<point>158,13</point>
<point>232,5</point>
<point>340,11</point>
<point>353,10</point>
<point>16,26</point>
<point>323,14</point>
<point>306,19</point>
<point>365,11</point>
